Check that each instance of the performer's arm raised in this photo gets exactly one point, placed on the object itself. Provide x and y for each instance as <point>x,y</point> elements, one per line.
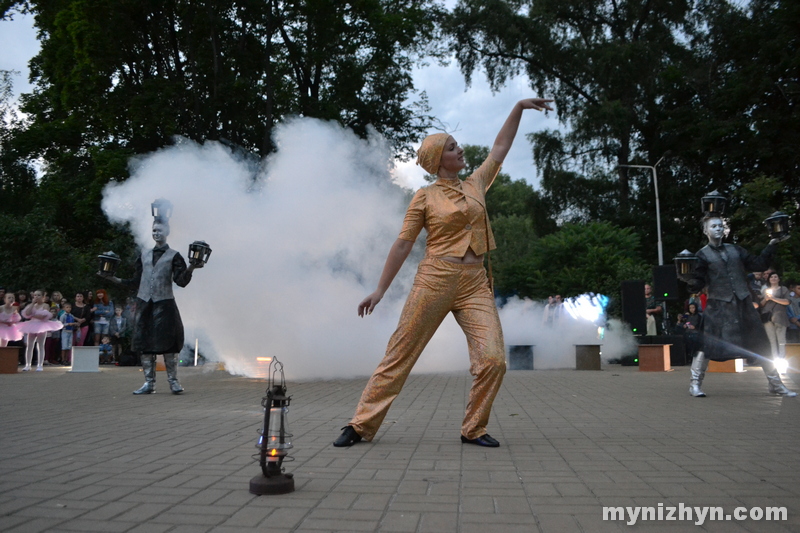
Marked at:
<point>504,140</point>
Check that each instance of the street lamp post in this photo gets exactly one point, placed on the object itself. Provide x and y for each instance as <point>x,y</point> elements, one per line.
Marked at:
<point>658,206</point>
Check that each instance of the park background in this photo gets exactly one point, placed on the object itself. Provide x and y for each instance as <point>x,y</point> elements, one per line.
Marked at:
<point>705,91</point>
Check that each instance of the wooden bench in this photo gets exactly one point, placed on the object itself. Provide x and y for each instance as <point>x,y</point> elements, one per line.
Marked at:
<point>587,357</point>
<point>654,358</point>
<point>9,359</point>
<point>730,366</point>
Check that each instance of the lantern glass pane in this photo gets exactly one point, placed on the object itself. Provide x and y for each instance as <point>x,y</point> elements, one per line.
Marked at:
<point>278,435</point>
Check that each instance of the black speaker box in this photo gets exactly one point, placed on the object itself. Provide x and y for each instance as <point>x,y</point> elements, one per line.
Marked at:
<point>665,283</point>
<point>633,306</point>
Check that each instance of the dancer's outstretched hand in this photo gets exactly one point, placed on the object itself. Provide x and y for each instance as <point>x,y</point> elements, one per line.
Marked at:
<point>539,104</point>
<point>368,304</point>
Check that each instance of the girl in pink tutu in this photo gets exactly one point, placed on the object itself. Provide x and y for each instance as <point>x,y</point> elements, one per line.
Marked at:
<point>9,318</point>
<point>40,321</point>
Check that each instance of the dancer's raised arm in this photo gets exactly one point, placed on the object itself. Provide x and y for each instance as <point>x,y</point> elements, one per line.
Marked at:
<point>504,140</point>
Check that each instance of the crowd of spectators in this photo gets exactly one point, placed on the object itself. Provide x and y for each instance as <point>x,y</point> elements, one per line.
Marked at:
<point>89,319</point>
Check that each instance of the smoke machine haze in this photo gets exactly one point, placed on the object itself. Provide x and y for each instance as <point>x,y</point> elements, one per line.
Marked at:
<point>298,243</point>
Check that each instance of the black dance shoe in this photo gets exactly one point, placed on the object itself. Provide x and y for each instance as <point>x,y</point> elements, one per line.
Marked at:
<point>347,438</point>
<point>483,440</point>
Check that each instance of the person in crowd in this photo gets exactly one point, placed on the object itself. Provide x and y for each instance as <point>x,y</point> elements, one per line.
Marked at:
<point>793,314</point>
<point>731,325</point>
<point>70,325</point>
<point>653,310</point>
<point>102,312</point>
<point>22,301</point>
<point>40,321</point>
<point>158,328</point>
<point>118,331</point>
<point>9,319</point>
<point>549,314</point>
<point>451,278</point>
<point>106,351</point>
<point>774,305</point>
<point>691,324</point>
<point>81,312</point>
<point>52,344</point>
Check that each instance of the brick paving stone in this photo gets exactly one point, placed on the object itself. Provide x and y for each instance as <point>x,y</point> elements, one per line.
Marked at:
<point>572,442</point>
<point>400,522</point>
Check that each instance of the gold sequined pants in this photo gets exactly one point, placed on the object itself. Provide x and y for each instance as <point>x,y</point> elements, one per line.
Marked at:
<point>440,287</point>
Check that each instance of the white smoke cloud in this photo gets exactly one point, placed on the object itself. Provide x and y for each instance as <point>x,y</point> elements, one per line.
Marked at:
<point>296,246</point>
<point>578,323</point>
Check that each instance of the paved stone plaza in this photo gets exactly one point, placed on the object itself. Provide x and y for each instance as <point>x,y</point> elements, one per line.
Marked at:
<point>79,452</point>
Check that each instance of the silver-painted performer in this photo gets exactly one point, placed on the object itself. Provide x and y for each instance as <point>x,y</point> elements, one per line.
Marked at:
<point>158,328</point>
<point>732,327</point>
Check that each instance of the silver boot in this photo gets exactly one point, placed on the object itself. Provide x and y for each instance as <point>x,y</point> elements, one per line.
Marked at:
<point>699,366</point>
<point>171,362</point>
<point>776,386</point>
<point>149,368</point>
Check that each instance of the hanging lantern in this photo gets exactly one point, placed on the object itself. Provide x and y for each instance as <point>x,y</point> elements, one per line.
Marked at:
<point>161,209</point>
<point>274,440</point>
<point>714,203</point>
<point>109,261</point>
<point>199,252</point>
<point>685,264</point>
<point>778,225</point>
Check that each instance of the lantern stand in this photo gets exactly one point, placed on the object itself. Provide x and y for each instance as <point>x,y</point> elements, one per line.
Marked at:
<point>109,261</point>
<point>161,209</point>
<point>199,252</point>
<point>778,225</point>
<point>713,203</point>
<point>274,440</point>
<point>685,264</point>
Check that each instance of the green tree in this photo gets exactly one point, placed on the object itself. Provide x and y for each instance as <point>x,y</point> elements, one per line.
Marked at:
<point>119,78</point>
<point>580,258</point>
<point>17,178</point>
<point>751,205</point>
<point>604,61</point>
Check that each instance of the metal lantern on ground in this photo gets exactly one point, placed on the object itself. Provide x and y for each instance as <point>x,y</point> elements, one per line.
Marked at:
<point>109,261</point>
<point>778,225</point>
<point>685,264</point>
<point>275,439</point>
<point>199,252</point>
<point>714,203</point>
<point>161,209</point>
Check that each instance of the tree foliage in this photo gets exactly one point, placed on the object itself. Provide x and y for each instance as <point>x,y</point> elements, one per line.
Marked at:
<point>706,90</point>
<point>118,78</point>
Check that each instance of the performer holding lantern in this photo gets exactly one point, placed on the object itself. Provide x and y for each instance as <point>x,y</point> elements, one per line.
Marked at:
<point>157,328</point>
<point>451,278</point>
<point>732,327</point>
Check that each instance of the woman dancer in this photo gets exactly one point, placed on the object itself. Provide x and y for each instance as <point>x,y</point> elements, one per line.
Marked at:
<point>9,318</point>
<point>36,328</point>
<point>450,278</point>
<point>775,300</point>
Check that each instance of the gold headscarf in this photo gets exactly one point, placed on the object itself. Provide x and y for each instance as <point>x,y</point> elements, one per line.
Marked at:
<point>429,154</point>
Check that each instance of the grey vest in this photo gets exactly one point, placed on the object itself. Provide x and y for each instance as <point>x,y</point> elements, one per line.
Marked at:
<point>725,279</point>
<point>156,282</point>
